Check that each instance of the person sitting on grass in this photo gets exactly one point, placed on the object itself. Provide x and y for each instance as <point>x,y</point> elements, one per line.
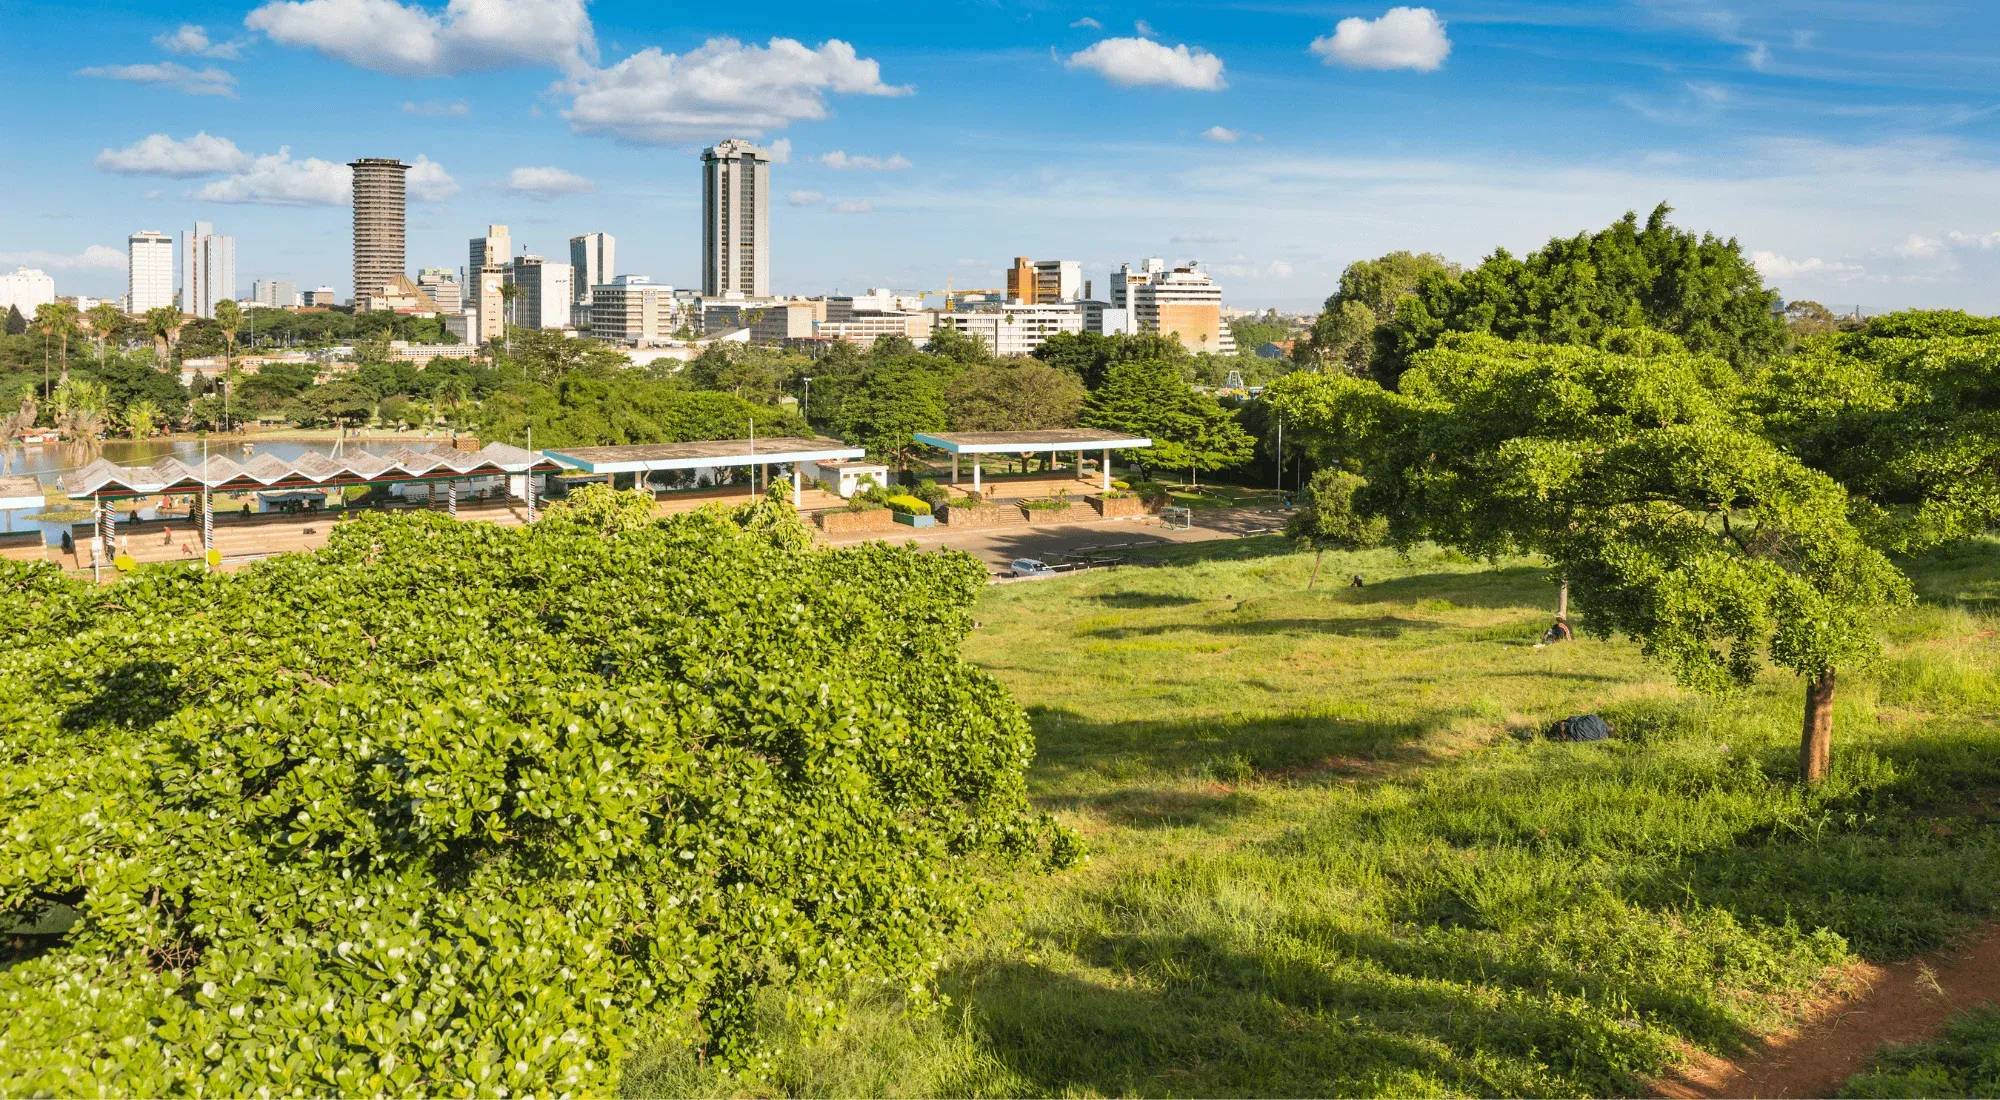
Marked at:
<point>1559,632</point>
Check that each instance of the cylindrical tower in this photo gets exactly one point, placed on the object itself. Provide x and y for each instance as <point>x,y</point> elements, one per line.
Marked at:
<point>378,224</point>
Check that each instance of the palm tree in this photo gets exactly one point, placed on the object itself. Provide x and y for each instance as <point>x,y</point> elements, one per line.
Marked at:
<point>229,319</point>
<point>56,319</point>
<point>142,418</point>
<point>165,322</point>
<point>80,408</point>
<point>104,321</point>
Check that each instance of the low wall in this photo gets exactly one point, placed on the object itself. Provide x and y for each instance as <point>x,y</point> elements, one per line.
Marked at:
<point>1077,512</point>
<point>1118,507</point>
<point>843,522</point>
<point>991,515</point>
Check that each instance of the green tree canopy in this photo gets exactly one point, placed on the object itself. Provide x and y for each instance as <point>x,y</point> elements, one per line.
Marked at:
<point>1573,290</point>
<point>1327,518</point>
<point>1016,396</point>
<point>1191,431</point>
<point>1343,335</point>
<point>1089,355</point>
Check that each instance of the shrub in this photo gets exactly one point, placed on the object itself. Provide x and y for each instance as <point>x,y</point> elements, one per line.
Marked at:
<point>930,492</point>
<point>1053,505</point>
<point>1113,494</point>
<point>450,807</point>
<point>1120,483</point>
<point>908,505</point>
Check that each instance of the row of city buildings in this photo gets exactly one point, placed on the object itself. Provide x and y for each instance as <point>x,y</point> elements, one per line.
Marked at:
<point>587,296</point>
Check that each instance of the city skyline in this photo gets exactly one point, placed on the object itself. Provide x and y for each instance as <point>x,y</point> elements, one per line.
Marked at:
<point>1850,151</point>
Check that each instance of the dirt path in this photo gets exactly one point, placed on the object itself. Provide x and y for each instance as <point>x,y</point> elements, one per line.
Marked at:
<point>1905,1002</point>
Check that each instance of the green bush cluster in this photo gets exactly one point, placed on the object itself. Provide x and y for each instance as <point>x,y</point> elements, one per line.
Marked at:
<point>930,492</point>
<point>908,505</point>
<point>1051,505</point>
<point>450,808</point>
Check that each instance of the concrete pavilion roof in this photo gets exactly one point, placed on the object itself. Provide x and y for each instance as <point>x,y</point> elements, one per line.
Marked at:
<point>20,492</point>
<point>1053,439</point>
<point>310,470</point>
<point>700,454</point>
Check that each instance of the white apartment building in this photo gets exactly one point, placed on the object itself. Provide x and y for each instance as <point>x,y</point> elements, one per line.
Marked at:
<point>785,321</point>
<point>866,328</point>
<point>1126,278</point>
<point>1182,302</point>
<point>208,269</point>
<point>1044,281</point>
<point>149,271</point>
<point>442,285</point>
<point>274,293</point>
<point>840,307</point>
<point>1016,328</point>
<point>1107,320</point>
<point>631,308</point>
<point>321,297</point>
<point>735,220</point>
<point>546,296</point>
<point>27,290</point>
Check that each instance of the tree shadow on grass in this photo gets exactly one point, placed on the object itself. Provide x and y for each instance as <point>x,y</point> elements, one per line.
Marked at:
<point>1144,599</point>
<point>1516,586</point>
<point>134,696</point>
<point>1069,745</point>
<point>1964,574</point>
<point>1378,626</point>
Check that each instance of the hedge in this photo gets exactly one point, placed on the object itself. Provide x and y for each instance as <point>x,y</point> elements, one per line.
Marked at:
<point>909,505</point>
<point>448,807</point>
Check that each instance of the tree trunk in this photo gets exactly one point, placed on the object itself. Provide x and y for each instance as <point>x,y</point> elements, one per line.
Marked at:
<point>1562,600</point>
<point>1315,577</point>
<point>1816,739</point>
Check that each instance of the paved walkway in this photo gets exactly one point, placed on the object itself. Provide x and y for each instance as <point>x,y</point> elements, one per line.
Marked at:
<point>999,546</point>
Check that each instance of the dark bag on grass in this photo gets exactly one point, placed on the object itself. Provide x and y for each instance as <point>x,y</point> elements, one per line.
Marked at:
<point>1583,727</point>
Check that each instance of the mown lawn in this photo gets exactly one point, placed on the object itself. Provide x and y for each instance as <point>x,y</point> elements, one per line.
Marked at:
<point>1331,857</point>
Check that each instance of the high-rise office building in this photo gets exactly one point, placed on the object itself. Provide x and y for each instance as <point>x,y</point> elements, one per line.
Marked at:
<point>545,298</point>
<point>443,287</point>
<point>590,261</point>
<point>735,220</point>
<point>1032,282</point>
<point>378,225</point>
<point>485,273</point>
<point>208,269</point>
<point>1183,303</point>
<point>1126,278</point>
<point>149,271</point>
<point>277,294</point>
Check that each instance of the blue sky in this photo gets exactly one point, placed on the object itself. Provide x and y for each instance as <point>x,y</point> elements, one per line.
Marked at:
<point>1852,146</point>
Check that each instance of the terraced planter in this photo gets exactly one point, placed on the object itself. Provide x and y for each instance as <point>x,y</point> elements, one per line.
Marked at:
<point>982,515</point>
<point>1076,512</point>
<point>908,520</point>
<point>841,522</point>
<point>1118,507</point>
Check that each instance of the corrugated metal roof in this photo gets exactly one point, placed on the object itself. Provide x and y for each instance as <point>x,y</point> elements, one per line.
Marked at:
<point>401,464</point>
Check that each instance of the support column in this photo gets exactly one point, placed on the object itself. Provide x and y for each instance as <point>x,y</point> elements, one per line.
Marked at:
<point>528,491</point>
<point>798,487</point>
<point>207,522</point>
<point>1104,467</point>
<point>954,467</point>
<point>451,499</point>
<point>975,473</point>
<point>111,533</point>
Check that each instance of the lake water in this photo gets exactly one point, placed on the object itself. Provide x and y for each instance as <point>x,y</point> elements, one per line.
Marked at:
<point>50,461</point>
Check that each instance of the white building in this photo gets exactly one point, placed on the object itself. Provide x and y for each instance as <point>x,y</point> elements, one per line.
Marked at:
<point>320,298</point>
<point>277,294</point>
<point>1182,302</point>
<point>27,290</point>
<point>1126,278</point>
<point>545,298</point>
<point>735,220</point>
<point>208,269</point>
<point>1044,281</point>
<point>631,308</point>
<point>442,285</point>
<point>1107,320</point>
<point>841,307</point>
<point>149,271</point>
<point>1016,328</point>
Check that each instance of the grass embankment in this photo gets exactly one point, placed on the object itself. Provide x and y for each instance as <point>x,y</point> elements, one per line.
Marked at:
<point>1964,1061</point>
<point>1331,858</point>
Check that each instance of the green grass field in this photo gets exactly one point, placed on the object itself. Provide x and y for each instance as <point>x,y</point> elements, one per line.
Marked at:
<point>1331,857</point>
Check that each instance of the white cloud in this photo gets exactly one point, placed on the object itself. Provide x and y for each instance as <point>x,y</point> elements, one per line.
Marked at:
<point>803,198</point>
<point>160,155</point>
<point>853,206</point>
<point>1200,238</point>
<point>780,150</point>
<point>275,179</point>
<point>1773,266</point>
<point>1222,134</point>
<point>1919,247</point>
<point>437,108</point>
<point>1087,21</point>
<point>412,40</point>
<point>1144,28</point>
<point>278,180</point>
<point>1403,38</point>
<point>722,88</point>
<point>427,181</point>
<point>1974,240</point>
<point>840,161</point>
<point>547,183</point>
<point>1279,269</point>
<point>1134,61</point>
<point>95,257</point>
<point>170,74</point>
<point>192,41</point>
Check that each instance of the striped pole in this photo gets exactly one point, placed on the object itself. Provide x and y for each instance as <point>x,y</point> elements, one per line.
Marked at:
<point>111,532</point>
<point>207,521</point>
<point>451,498</point>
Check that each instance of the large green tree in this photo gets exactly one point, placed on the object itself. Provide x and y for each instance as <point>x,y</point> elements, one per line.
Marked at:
<point>1672,517</point>
<point>1575,290</point>
<point>1343,335</point>
<point>1015,396</point>
<point>1189,430</point>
